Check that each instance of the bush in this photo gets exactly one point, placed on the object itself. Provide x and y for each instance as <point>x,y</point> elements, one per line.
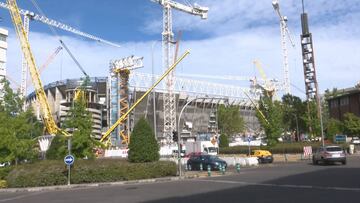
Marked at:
<point>143,146</point>
<point>47,173</point>
<point>224,142</point>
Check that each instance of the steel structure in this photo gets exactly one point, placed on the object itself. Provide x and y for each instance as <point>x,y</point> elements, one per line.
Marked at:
<point>284,31</point>
<point>124,116</point>
<point>311,84</point>
<point>196,88</point>
<point>49,122</point>
<point>119,97</point>
<point>167,50</point>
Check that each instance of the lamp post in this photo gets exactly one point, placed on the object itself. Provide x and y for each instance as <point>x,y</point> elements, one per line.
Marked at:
<point>178,127</point>
<point>153,81</point>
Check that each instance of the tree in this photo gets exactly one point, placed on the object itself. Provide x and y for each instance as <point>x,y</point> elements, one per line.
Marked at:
<point>272,120</point>
<point>223,139</point>
<point>229,120</point>
<point>143,146</point>
<point>351,124</point>
<point>18,129</point>
<point>333,128</point>
<point>80,121</point>
<point>312,119</point>
<point>294,110</point>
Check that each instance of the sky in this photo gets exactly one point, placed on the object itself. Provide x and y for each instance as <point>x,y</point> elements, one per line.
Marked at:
<point>235,34</point>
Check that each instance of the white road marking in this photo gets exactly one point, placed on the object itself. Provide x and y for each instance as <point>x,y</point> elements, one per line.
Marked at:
<point>284,186</point>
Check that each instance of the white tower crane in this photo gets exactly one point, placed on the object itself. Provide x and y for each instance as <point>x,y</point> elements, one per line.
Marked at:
<point>167,49</point>
<point>28,15</point>
<point>284,30</point>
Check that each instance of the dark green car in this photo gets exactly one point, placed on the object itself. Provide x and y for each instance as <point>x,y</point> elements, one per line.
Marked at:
<point>214,162</point>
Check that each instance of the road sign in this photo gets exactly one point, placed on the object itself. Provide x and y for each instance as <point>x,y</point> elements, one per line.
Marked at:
<point>249,139</point>
<point>69,159</point>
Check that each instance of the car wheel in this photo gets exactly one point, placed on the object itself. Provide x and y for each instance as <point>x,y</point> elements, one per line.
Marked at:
<point>343,162</point>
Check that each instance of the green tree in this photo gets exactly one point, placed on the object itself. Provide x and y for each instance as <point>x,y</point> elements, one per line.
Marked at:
<point>143,146</point>
<point>270,119</point>
<point>18,129</point>
<point>224,141</point>
<point>294,111</point>
<point>79,120</point>
<point>351,124</point>
<point>333,128</point>
<point>311,119</point>
<point>229,119</point>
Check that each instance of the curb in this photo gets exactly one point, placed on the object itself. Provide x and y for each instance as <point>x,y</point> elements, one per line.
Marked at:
<point>92,185</point>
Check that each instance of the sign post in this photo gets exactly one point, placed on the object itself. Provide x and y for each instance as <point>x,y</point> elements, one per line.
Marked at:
<point>69,160</point>
<point>249,140</point>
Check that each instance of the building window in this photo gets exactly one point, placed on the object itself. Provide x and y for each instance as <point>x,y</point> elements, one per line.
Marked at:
<point>333,103</point>
<point>3,38</point>
<point>344,101</point>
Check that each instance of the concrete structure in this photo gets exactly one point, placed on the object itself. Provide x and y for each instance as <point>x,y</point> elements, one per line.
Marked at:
<point>199,116</point>
<point>60,95</point>
<point>3,48</point>
<point>345,101</point>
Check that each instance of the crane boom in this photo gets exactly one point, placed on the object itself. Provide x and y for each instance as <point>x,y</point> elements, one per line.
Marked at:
<point>49,122</point>
<point>194,10</point>
<point>59,25</point>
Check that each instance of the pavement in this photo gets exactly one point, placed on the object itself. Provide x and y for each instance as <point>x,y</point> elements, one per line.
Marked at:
<point>278,182</point>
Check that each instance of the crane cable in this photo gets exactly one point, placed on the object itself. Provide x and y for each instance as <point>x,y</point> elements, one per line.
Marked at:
<point>60,40</point>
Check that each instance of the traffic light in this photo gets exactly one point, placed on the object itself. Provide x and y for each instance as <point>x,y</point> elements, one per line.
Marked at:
<point>175,136</point>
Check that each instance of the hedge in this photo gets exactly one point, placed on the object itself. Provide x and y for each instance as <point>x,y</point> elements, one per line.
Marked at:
<point>280,148</point>
<point>48,173</point>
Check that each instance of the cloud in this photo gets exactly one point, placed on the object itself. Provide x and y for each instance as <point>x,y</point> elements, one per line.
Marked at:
<point>236,33</point>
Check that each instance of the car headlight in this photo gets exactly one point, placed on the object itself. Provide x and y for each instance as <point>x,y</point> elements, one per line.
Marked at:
<point>217,163</point>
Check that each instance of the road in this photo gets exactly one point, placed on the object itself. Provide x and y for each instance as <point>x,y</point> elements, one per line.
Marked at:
<point>293,182</point>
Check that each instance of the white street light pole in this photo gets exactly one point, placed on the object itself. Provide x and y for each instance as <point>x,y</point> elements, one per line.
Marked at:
<point>178,128</point>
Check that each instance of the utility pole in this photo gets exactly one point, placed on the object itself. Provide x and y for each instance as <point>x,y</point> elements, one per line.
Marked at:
<point>311,84</point>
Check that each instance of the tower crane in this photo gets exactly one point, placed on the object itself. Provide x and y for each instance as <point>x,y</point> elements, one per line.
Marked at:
<point>49,121</point>
<point>119,87</point>
<point>167,50</point>
<point>29,15</point>
<point>284,31</point>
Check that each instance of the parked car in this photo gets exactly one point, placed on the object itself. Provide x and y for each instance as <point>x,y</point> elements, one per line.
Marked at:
<point>213,161</point>
<point>329,154</point>
<point>264,156</point>
<point>355,140</point>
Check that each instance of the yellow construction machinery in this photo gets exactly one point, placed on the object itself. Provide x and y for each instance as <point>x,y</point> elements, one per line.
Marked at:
<point>106,138</point>
<point>268,87</point>
<point>48,120</point>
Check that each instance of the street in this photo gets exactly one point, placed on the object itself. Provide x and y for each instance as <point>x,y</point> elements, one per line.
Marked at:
<point>292,182</point>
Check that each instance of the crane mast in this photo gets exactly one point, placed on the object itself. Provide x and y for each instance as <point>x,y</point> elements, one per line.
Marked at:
<point>49,122</point>
<point>169,103</point>
<point>24,67</point>
<point>285,33</point>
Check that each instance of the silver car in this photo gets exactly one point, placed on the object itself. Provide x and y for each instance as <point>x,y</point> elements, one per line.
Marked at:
<point>329,154</point>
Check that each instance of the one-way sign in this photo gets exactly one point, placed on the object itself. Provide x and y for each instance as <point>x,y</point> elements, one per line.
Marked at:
<point>69,159</point>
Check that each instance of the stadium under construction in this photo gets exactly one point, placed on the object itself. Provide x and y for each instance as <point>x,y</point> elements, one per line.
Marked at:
<point>198,117</point>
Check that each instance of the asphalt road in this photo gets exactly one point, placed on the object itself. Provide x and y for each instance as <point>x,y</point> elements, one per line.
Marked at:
<point>293,182</point>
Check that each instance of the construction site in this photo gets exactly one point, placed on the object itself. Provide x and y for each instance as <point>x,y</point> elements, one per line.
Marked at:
<point>123,94</point>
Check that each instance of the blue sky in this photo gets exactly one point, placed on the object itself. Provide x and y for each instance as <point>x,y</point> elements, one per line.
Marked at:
<point>236,33</point>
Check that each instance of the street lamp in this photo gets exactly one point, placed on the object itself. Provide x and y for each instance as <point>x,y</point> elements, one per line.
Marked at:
<point>153,81</point>
<point>178,127</point>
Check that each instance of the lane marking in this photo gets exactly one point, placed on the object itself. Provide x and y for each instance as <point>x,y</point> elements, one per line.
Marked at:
<point>284,185</point>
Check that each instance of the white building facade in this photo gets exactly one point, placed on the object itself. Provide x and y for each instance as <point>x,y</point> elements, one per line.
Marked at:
<point>3,48</point>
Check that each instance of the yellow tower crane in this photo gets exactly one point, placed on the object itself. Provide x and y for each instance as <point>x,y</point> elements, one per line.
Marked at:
<point>49,122</point>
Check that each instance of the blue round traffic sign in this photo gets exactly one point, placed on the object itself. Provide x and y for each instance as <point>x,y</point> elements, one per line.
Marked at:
<point>69,159</point>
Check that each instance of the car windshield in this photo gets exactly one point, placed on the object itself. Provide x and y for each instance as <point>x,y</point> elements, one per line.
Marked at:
<point>212,149</point>
<point>333,149</point>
